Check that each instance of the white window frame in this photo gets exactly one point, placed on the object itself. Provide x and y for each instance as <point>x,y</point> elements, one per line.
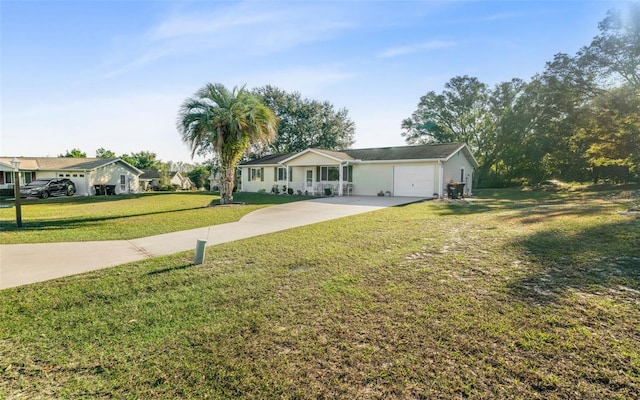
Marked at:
<point>282,174</point>
<point>255,174</point>
<point>324,173</point>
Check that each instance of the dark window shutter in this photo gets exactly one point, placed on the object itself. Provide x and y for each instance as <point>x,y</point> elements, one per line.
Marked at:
<point>262,174</point>
<point>275,174</point>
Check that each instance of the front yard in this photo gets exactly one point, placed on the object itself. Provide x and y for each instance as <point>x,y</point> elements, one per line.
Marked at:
<point>532,295</point>
<point>65,219</point>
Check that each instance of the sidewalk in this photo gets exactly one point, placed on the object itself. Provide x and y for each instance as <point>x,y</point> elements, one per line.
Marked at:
<point>22,264</point>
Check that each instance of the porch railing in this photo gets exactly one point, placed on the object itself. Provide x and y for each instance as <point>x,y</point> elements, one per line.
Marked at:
<point>321,188</point>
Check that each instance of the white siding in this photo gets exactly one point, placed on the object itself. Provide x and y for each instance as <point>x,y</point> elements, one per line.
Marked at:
<point>312,159</point>
<point>452,168</point>
<point>110,175</point>
<point>369,179</point>
<point>256,185</point>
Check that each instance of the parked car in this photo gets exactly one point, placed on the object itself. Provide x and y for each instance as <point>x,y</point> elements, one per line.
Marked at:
<point>44,188</point>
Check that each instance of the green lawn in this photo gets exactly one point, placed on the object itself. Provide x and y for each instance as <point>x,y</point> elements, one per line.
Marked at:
<point>531,295</point>
<point>65,219</point>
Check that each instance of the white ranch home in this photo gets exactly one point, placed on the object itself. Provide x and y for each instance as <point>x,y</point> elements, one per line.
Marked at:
<point>90,175</point>
<point>413,171</point>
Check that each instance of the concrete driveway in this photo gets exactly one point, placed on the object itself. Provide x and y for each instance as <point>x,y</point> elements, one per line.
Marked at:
<point>21,264</point>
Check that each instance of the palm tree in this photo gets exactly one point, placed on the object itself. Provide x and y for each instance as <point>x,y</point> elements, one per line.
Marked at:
<point>226,123</point>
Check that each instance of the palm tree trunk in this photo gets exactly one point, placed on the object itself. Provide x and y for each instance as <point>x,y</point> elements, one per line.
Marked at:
<point>227,177</point>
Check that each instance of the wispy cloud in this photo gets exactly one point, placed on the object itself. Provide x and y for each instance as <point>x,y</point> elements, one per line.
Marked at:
<point>144,59</point>
<point>242,28</point>
<point>200,24</point>
<point>501,16</point>
<point>416,48</point>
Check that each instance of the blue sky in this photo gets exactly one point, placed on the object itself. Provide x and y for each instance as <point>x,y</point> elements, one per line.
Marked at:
<point>112,74</point>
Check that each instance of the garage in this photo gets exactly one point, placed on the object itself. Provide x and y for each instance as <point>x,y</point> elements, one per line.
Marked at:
<point>413,181</point>
<point>81,186</point>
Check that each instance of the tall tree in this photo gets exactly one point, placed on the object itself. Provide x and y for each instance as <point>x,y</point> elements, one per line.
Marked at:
<point>610,132</point>
<point>502,141</point>
<point>226,123</point>
<point>103,153</point>
<point>616,50</point>
<point>74,153</point>
<point>307,123</point>
<point>199,175</point>
<point>143,160</point>
<point>458,114</point>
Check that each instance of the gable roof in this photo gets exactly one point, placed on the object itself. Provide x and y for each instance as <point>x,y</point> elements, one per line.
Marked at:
<point>438,151</point>
<point>150,174</point>
<point>333,154</point>
<point>66,163</point>
<point>420,152</point>
<point>271,159</point>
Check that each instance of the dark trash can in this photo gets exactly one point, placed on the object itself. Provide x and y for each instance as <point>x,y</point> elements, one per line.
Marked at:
<point>455,190</point>
<point>99,190</point>
<point>451,190</point>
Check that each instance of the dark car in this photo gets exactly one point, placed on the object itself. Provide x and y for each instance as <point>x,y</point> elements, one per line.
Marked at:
<point>44,188</point>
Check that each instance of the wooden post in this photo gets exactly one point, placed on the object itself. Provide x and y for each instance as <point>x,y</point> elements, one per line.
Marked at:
<point>16,192</point>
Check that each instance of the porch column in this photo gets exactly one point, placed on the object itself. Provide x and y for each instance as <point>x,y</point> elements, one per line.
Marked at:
<point>286,179</point>
<point>340,179</point>
<point>86,184</point>
<point>441,179</point>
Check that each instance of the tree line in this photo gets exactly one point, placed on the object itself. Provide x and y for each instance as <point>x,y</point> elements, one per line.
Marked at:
<point>576,119</point>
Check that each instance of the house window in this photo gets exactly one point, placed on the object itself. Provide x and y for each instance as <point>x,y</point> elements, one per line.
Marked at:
<point>347,173</point>
<point>9,177</point>
<point>123,183</point>
<point>461,174</point>
<point>282,174</point>
<point>255,174</point>
<point>329,174</point>
<point>25,177</point>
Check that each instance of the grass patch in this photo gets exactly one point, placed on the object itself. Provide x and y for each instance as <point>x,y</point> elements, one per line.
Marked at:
<point>65,219</point>
<point>504,297</point>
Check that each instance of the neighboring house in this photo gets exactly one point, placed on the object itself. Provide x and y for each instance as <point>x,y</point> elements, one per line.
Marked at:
<point>414,171</point>
<point>151,180</point>
<point>183,182</point>
<point>90,175</point>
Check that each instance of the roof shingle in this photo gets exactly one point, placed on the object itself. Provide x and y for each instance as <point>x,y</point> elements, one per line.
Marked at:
<point>419,152</point>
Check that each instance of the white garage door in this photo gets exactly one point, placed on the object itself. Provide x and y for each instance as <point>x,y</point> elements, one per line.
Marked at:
<point>413,181</point>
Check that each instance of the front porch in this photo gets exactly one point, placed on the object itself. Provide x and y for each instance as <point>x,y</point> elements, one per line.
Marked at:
<point>321,188</point>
